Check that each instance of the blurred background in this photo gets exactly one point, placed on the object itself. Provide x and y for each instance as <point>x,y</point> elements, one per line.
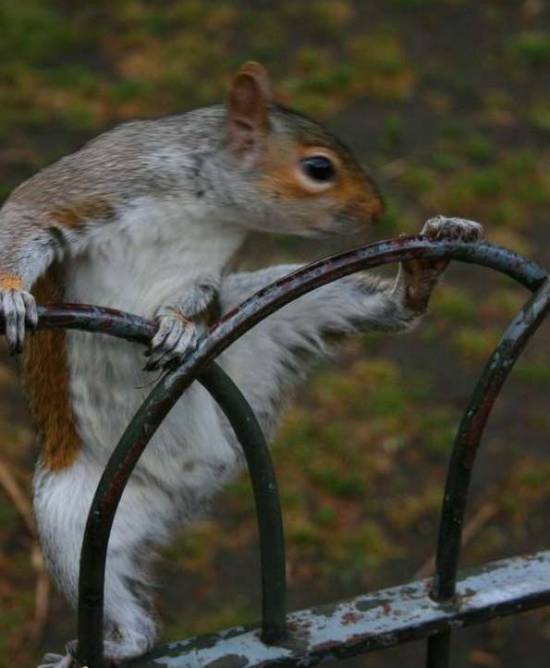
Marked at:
<point>448,104</point>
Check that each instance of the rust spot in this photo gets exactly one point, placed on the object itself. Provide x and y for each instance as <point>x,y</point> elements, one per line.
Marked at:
<point>46,381</point>
<point>370,603</point>
<point>351,618</point>
<point>299,627</point>
<point>10,282</point>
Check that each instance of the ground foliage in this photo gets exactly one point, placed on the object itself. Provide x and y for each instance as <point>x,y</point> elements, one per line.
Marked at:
<point>448,102</point>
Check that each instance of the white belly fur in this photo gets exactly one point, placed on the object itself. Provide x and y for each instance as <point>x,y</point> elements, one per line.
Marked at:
<point>143,264</point>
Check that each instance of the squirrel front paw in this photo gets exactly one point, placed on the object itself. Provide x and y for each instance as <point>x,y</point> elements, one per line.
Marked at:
<point>176,335</point>
<point>441,228</point>
<point>18,309</point>
<point>452,229</point>
<point>422,275</point>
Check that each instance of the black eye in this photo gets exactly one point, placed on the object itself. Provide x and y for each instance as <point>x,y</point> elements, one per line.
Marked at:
<point>318,167</point>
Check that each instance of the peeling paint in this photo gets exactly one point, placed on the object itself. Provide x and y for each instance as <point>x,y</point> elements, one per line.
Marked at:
<point>373,621</point>
<point>350,617</point>
<point>371,603</point>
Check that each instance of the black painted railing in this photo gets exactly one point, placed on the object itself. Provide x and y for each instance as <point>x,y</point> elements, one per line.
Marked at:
<point>369,622</point>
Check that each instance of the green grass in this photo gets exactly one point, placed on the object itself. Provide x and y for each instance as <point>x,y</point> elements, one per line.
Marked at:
<point>532,48</point>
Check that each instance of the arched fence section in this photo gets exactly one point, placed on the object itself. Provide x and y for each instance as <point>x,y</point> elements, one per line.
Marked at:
<point>419,610</point>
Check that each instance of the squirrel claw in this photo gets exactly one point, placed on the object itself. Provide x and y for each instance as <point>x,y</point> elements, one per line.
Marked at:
<point>441,228</point>
<point>421,275</point>
<point>58,660</point>
<point>175,337</point>
<point>19,309</point>
<point>452,229</point>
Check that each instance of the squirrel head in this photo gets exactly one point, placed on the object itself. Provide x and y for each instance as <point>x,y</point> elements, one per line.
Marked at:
<point>293,175</point>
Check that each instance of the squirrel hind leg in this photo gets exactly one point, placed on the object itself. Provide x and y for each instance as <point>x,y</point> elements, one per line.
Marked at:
<point>57,661</point>
<point>62,500</point>
<point>130,643</point>
<point>130,629</point>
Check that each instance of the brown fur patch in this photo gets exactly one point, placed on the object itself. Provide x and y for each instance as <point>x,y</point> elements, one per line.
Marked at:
<point>420,279</point>
<point>73,216</point>
<point>10,282</point>
<point>46,380</point>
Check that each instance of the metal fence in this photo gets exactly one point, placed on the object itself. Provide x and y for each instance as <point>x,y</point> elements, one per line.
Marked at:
<point>429,609</point>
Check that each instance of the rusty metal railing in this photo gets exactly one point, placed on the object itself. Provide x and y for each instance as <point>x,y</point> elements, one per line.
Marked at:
<point>420,610</point>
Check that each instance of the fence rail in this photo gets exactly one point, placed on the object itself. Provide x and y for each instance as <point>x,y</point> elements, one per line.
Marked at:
<point>422,609</point>
<point>372,622</point>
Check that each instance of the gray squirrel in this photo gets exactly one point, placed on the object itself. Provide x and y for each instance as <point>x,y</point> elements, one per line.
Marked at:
<point>145,218</point>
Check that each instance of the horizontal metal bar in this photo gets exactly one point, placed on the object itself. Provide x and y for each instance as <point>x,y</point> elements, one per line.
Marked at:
<point>367,623</point>
<point>96,319</point>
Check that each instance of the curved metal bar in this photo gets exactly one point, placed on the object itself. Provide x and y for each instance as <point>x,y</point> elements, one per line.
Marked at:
<point>469,434</point>
<point>464,452</point>
<point>268,512</point>
<point>248,432</point>
<point>266,495</point>
<point>171,386</point>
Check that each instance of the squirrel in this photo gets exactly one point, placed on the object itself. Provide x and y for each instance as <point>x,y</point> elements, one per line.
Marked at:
<point>146,218</point>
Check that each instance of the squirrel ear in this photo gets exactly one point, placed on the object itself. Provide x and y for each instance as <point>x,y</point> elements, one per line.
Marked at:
<point>247,105</point>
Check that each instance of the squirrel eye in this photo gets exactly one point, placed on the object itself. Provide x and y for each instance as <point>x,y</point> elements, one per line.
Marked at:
<point>318,168</point>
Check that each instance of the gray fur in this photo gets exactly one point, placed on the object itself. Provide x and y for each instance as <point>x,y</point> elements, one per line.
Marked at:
<point>183,159</point>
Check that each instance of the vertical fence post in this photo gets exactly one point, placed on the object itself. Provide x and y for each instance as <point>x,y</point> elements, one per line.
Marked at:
<point>464,452</point>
